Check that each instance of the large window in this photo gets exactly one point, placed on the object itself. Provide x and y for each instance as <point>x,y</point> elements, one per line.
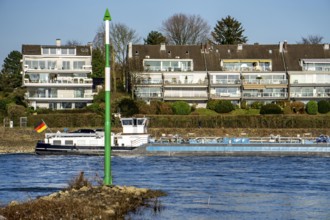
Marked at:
<point>59,51</point>
<point>316,64</point>
<point>246,65</point>
<point>78,65</point>
<point>66,65</point>
<point>168,65</point>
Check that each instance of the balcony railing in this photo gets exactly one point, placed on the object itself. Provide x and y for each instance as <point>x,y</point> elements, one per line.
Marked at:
<point>309,94</point>
<point>57,68</point>
<point>186,94</point>
<point>64,80</point>
<point>226,81</point>
<point>185,82</point>
<point>264,94</point>
<point>225,95</point>
<point>148,95</point>
<point>149,82</point>
<point>55,96</point>
<point>265,81</point>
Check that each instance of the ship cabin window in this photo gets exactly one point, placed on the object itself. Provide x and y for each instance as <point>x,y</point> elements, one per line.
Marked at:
<point>127,122</point>
<point>140,121</point>
<point>57,142</point>
<point>69,142</point>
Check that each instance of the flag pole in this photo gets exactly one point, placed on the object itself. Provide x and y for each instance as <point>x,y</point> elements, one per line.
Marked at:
<point>107,124</point>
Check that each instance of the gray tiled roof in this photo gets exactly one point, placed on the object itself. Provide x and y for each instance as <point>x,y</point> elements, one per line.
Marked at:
<point>209,57</point>
<point>36,49</point>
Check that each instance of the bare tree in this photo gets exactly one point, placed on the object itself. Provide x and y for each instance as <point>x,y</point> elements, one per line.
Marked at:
<point>181,29</point>
<point>311,39</point>
<point>120,36</point>
<point>73,43</point>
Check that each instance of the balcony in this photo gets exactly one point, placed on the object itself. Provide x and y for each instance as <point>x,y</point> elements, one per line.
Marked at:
<point>42,69</point>
<point>147,95</point>
<point>264,95</point>
<point>140,82</point>
<point>225,96</point>
<point>60,81</point>
<point>191,95</point>
<point>309,95</point>
<point>55,97</point>
<point>184,82</point>
<point>226,82</point>
<point>265,81</point>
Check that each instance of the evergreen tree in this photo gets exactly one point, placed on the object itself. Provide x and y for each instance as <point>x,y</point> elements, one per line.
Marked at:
<point>155,38</point>
<point>11,77</point>
<point>98,63</point>
<point>229,31</point>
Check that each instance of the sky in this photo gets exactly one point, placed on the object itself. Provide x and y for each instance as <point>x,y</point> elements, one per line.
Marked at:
<point>265,21</point>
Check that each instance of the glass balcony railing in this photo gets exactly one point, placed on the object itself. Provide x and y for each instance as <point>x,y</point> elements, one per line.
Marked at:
<point>148,95</point>
<point>264,95</point>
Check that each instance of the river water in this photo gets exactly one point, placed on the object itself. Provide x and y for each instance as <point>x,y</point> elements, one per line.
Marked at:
<point>197,187</point>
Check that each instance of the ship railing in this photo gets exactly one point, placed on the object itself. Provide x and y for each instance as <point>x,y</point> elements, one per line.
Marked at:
<point>139,141</point>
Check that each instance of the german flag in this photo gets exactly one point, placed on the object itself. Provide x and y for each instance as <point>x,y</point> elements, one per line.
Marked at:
<point>41,127</point>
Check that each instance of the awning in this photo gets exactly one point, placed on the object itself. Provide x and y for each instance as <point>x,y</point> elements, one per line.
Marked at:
<point>315,60</point>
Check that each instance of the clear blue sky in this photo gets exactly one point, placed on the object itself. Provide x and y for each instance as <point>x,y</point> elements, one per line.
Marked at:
<point>265,21</point>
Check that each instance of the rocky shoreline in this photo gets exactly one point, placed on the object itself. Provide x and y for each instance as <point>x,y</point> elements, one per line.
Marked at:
<point>88,202</point>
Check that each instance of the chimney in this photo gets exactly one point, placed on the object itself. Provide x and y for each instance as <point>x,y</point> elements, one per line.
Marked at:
<point>130,50</point>
<point>285,45</point>
<point>58,42</point>
<point>281,47</point>
<point>326,46</point>
<point>162,47</point>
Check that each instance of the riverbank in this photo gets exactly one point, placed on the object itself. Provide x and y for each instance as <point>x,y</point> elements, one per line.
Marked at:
<point>85,202</point>
<point>23,140</point>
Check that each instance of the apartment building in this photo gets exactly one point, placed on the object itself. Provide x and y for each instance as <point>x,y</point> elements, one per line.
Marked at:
<point>57,76</point>
<point>237,73</point>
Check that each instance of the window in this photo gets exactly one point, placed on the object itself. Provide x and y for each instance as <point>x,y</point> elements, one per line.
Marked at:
<point>79,93</point>
<point>168,65</point>
<point>66,65</point>
<point>246,65</point>
<point>66,105</point>
<point>45,51</point>
<point>52,50</point>
<point>78,65</point>
<point>316,64</point>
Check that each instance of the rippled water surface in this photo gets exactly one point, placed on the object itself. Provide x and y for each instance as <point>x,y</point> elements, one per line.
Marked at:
<point>197,187</point>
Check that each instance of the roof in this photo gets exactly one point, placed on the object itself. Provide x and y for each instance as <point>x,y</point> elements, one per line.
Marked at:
<point>208,58</point>
<point>36,49</point>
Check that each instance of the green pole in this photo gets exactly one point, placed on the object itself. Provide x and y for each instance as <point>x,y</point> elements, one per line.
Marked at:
<point>107,124</point>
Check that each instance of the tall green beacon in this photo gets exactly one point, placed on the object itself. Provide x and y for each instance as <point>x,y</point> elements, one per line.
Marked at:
<point>107,124</point>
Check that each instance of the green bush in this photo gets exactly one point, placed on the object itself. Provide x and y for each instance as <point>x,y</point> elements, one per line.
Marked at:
<point>311,107</point>
<point>128,107</point>
<point>224,106</point>
<point>323,106</point>
<point>211,104</point>
<point>270,109</point>
<point>181,108</point>
<point>257,105</point>
<point>244,105</point>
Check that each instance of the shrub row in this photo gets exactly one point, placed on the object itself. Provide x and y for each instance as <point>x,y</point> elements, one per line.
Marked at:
<point>189,121</point>
<point>244,121</point>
